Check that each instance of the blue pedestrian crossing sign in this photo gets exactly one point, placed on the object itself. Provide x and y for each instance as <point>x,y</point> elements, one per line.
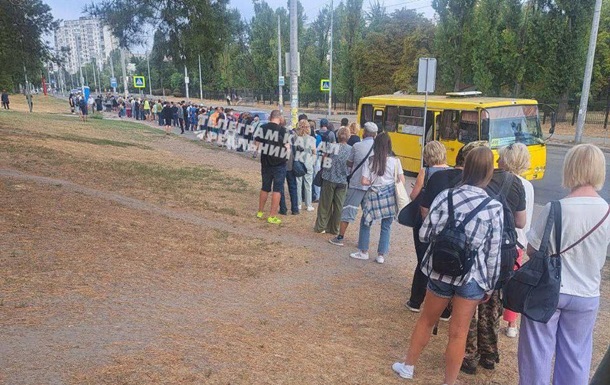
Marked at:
<point>325,85</point>
<point>139,82</point>
<point>113,83</point>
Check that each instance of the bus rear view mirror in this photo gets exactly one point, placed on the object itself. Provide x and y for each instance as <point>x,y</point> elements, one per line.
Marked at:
<point>553,121</point>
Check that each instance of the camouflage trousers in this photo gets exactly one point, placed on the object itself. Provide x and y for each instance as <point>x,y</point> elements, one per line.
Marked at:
<point>482,342</point>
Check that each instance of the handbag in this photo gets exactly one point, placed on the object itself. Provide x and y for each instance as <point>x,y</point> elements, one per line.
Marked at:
<point>298,168</point>
<point>402,198</point>
<point>533,290</point>
<point>410,215</point>
<point>317,180</point>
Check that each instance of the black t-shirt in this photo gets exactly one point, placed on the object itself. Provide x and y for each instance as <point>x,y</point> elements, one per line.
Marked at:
<point>353,140</point>
<point>272,135</point>
<point>440,181</point>
<point>167,112</point>
<point>516,194</point>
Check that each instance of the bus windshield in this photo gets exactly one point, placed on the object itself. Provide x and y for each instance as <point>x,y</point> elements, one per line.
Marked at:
<point>503,126</point>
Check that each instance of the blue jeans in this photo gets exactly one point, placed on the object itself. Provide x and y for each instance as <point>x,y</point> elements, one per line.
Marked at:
<point>364,236</point>
<point>292,190</point>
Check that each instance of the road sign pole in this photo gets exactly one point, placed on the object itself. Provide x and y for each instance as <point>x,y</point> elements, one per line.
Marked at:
<point>330,88</point>
<point>279,66</point>
<point>149,81</point>
<point>294,64</point>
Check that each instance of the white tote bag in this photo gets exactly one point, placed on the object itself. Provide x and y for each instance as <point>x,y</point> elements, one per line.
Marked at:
<point>402,198</point>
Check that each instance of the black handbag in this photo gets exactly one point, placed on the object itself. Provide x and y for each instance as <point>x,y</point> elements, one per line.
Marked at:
<point>533,290</point>
<point>298,168</point>
<point>410,215</point>
<point>317,180</point>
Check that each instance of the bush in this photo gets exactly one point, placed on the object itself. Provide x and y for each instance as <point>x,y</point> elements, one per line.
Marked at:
<point>177,93</point>
<point>159,92</point>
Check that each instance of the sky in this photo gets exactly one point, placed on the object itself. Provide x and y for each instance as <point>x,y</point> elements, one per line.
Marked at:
<point>72,9</point>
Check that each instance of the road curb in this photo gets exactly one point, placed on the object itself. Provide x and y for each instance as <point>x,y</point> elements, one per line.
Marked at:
<point>570,145</point>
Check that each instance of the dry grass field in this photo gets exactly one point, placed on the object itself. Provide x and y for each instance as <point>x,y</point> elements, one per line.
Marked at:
<point>129,257</point>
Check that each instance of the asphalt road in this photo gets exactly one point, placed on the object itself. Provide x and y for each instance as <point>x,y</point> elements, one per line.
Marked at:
<point>549,188</point>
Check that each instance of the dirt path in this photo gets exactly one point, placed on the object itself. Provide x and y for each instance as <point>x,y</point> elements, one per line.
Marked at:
<point>105,282</point>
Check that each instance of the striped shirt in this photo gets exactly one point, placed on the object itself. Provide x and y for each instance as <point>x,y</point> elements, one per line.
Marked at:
<point>484,232</point>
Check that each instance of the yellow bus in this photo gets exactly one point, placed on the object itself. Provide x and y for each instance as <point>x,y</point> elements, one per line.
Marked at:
<point>454,120</point>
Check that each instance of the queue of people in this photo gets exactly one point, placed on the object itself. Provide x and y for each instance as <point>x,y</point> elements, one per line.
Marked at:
<point>491,206</point>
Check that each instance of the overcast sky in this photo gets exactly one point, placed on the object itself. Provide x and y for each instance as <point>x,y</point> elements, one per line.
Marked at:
<point>72,9</point>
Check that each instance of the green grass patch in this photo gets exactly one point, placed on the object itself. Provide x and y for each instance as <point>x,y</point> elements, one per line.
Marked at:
<point>98,141</point>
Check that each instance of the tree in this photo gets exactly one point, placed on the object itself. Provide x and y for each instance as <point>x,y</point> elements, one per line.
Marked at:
<point>22,26</point>
<point>452,39</point>
<point>387,59</point>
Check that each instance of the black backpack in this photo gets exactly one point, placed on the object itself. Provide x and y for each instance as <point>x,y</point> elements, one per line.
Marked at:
<point>508,254</point>
<point>451,251</point>
<point>509,231</point>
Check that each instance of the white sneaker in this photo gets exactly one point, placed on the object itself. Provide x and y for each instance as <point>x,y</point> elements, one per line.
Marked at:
<point>310,208</point>
<point>359,255</point>
<point>380,259</point>
<point>512,332</point>
<point>404,371</point>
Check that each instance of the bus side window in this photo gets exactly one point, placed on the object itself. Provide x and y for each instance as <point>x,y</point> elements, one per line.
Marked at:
<point>469,127</point>
<point>485,125</point>
<point>366,115</point>
<point>449,125</point>
<point>391,119</point>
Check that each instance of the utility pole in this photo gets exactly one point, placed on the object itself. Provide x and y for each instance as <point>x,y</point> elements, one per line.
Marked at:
<point>330,87</point>
<point>125,85</point>
<point>112,72</point>
<point>279,66</point>
<point>186,82</point>
<point>200,81</point>
<point>586,85</point>
<point>149,81</point>
<point>25,72</point>
<point>94,77</point>
<point>294,64</point>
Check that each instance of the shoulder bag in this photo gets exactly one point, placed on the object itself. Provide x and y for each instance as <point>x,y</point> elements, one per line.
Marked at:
<point>410,215</point>
<point>402,198</point>
<point>533,290</point>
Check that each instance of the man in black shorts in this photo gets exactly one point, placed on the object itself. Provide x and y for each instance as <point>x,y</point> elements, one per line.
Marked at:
<point>272,145</point>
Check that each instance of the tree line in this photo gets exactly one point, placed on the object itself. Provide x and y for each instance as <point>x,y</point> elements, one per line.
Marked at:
<point>517,48</point>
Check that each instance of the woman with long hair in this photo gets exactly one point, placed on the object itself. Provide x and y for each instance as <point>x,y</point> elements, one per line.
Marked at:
<point>305,144</point>
<point>484,235</point>
<point>381,171</point>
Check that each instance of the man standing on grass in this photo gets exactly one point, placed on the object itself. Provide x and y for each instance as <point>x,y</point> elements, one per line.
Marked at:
<point>5,101</point>
<point>272,144</point>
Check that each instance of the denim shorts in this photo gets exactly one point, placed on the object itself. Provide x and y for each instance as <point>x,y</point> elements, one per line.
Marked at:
<point>470,290</point>
<point>273,175</point>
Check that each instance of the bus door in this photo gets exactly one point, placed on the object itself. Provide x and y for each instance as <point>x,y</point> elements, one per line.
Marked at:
<point>456,129</point>
<point>410,136</point>
<point>378,117</point>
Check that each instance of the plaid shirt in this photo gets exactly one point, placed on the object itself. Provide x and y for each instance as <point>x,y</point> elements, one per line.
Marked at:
<point>379,203</point>
<point>484,232</point>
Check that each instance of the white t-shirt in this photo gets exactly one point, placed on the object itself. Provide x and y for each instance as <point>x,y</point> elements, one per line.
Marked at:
<point>580,266</point>
<point>387,178</point>
<point>529,210</point>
